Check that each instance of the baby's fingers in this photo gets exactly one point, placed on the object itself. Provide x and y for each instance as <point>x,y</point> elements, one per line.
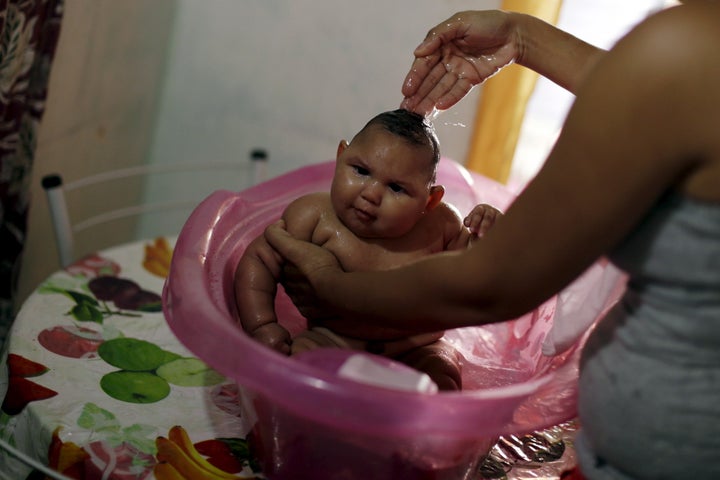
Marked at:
<point>481,219</point>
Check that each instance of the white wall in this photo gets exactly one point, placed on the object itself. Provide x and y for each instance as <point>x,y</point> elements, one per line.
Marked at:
<point>292,77</point>
<point>100,110</point>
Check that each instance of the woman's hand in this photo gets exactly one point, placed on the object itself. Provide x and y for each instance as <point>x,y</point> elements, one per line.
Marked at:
<point>305,265</point>
<point>470,47</point>
<point>459,53</point>
<point>303,295</point>
<point>306,269</point>
<point>312,260</point>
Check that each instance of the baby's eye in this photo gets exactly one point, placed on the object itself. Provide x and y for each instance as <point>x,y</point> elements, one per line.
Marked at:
<point>361,170</point>
<point>396,188</point>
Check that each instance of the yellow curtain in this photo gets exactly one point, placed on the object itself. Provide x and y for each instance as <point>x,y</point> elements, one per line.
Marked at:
<point>502,104</point>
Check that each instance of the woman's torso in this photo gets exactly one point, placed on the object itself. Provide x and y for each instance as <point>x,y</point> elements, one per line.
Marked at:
<point>650,373</point>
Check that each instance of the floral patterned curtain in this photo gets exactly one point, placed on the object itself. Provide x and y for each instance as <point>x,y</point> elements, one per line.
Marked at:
<point>29,31</point>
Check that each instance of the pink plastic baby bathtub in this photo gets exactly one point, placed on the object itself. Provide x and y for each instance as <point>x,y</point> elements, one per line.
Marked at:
<point>306,421</point>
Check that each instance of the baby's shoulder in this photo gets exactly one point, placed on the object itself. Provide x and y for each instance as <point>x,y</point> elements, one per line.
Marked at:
<point>445,213</point>
<point>308,204</point>
<point>449,224</point>
<point>304,213</point>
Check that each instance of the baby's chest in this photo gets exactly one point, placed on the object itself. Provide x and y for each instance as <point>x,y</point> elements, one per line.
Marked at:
<point>356,256</point>
<point>356,253</point>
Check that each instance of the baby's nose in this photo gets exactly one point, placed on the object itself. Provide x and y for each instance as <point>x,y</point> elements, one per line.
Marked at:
<point>373,192</point>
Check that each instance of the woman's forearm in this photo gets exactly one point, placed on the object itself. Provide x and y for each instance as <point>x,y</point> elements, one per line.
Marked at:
<point>553,53</point>
<point>417,298</point>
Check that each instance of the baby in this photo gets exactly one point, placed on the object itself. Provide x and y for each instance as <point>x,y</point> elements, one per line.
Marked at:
<point>383,211</point>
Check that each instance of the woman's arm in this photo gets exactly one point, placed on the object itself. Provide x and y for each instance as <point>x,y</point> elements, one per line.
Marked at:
<point>553,53</point>
<point>630,136</point>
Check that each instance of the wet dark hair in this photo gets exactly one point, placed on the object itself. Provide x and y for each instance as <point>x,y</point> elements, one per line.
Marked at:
<point>413,128</point>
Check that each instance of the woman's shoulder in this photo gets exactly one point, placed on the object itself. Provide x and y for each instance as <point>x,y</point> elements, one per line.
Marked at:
<point>670,72</point>
<point>697,13</point>
<point>668,60</point>
<point>678,34</point>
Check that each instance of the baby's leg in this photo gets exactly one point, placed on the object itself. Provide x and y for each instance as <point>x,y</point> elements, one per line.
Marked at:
<point>274,336</point>
<point>439,360</point>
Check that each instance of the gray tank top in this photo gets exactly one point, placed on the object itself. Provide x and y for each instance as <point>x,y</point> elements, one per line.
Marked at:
<point>650,373</point>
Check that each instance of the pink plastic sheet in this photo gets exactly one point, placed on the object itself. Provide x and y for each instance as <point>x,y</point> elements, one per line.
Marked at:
<point>303,417</point>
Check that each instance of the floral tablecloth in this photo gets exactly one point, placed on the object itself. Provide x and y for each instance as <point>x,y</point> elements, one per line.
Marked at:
<point>98,386</point>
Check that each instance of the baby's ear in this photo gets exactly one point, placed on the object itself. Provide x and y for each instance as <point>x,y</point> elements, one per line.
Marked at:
<point>341,148</point>
<point>436,195</point>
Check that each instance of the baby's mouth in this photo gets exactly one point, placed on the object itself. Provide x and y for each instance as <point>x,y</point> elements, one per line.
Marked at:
<point>363,215</point>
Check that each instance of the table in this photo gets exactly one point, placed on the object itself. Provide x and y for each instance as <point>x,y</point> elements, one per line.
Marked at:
<point>94,376</point>
<point>99,387</point>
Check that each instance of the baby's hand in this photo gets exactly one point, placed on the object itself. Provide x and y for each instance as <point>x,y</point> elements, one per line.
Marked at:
<point>481,218</point>
<point>274,336</point>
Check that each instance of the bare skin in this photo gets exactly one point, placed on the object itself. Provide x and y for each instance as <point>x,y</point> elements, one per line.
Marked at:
<point>644,122</point>
<point>382,213</point>
<point>470,47</point>
<point>643,128</point>
<point>312,217</point>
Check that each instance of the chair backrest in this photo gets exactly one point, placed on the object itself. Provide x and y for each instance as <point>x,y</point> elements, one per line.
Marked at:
<point>133,203</point>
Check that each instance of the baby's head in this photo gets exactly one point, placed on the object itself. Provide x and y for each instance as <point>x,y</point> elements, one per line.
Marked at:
<point>414,129</point>
<point>384,178</point>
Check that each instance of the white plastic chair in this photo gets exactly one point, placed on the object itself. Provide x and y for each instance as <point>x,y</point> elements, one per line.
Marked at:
<point>86,205</point>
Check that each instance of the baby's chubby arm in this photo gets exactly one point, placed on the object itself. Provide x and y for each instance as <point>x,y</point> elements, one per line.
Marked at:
<point>258,273</point>
<point>255,289</point>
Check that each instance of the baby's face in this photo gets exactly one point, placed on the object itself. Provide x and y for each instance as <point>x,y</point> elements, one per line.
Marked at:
<point>381,184</point>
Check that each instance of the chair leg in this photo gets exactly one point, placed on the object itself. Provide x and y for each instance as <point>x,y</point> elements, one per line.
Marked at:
<point>53,186</point>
